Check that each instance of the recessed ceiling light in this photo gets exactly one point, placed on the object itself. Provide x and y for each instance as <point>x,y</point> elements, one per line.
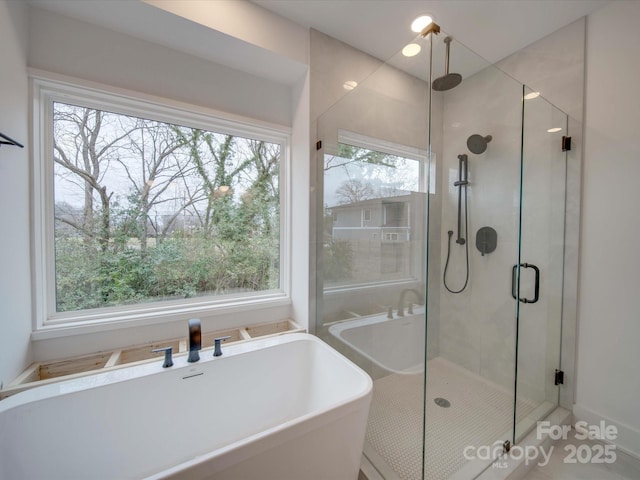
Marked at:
<point>411,50</point>
<point>532,95</point>
<point>349,85</point>
<point>420,23</point>
<point>554,130</point>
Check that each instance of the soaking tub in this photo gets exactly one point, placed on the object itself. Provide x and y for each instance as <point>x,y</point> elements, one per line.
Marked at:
<point>383,346</point>
<point>287,407</point>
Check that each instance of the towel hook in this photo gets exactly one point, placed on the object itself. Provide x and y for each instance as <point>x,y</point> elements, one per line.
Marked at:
<point>9,141</point>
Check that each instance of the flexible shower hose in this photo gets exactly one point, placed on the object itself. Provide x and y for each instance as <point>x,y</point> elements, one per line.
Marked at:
<point>466,247</point>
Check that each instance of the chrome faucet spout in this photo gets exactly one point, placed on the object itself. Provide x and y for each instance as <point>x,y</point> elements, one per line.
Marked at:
<point>195,340</point>
<point>419,296</point>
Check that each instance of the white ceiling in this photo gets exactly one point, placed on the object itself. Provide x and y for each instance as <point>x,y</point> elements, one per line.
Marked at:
<point>493,29</point>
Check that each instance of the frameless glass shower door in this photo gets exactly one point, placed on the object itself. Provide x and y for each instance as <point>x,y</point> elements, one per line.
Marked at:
<point>541,262</point>
<point>439,255</point>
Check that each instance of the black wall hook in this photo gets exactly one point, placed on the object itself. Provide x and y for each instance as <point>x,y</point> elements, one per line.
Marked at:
<point>9,141</point>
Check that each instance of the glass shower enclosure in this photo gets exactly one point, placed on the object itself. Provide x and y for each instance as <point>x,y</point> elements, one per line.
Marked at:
<point>439,256</point>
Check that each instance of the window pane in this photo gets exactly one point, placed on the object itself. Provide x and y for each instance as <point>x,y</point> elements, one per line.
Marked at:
<point>148,211</point>
<point>373,211</point>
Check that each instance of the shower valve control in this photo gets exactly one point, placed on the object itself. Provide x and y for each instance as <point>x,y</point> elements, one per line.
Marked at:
<point>486,240</point>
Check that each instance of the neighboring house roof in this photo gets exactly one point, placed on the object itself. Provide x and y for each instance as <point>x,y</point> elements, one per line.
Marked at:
<point>376,201</point>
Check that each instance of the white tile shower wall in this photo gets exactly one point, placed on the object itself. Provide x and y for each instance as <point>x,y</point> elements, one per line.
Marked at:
<point>477,328</point>
<point>332,63</point>
<point>553,66</point>
<point>387,104</point>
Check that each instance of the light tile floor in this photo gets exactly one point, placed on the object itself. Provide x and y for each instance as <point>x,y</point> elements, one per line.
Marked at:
<point>480,413</point>
<point>624,467</point>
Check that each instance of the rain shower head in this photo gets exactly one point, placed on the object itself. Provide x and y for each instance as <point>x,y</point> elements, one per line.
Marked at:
<point>477,143</point>
<point>448,80</point>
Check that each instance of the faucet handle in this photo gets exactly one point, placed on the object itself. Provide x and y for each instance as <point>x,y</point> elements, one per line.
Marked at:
<point>410,309</point>
<point>390,313</point>
<point>168,361</point>
<point>217,350</point>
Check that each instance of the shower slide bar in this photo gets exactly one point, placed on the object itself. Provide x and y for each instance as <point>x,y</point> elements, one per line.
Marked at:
<point>463,173</point>
<point>536,293</point>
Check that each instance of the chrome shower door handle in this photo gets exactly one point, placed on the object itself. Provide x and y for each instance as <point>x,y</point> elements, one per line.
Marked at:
<point>536,292</point>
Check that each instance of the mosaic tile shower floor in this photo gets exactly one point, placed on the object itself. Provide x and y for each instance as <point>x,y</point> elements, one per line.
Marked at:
<point>480,413</point>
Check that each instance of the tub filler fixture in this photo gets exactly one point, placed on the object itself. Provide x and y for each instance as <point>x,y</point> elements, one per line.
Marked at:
<point>371,342</point>
<point>281,408</point>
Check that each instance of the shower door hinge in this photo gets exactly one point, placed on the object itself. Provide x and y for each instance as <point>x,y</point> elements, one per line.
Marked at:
<point>566,144</point>
<point>318,144</point>
<point>559,378</point>
<point>506,446</point>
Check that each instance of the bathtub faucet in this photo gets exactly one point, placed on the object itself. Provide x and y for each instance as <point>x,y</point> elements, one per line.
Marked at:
<point>403,293</point>
<point>195,340</point>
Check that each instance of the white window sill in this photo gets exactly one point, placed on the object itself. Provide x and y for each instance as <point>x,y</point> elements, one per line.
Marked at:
<point>154,315</point>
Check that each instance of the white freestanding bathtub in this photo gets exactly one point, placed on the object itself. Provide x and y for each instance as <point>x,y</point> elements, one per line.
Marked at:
<point>282,408</point>
<point>384,346</point>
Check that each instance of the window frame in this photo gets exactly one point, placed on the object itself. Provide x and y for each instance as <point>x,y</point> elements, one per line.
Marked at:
<point>426,184</point>
<point>427,173</point>
<point>47,89</point>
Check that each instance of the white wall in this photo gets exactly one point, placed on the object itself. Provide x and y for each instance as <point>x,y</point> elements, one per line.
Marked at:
<point>608,384</point>
<point>15,288</point>
<point>300,190</point>
<point>246,21</point>
<point>72,47</point>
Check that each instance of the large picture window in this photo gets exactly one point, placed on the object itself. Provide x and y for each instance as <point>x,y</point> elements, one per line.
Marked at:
<point>144,210</point>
